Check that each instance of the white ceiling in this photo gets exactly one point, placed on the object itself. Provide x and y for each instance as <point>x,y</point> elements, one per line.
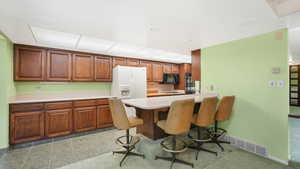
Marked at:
<point>168,29</point>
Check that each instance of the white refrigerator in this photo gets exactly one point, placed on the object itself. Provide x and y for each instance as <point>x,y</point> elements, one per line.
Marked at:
<point>129,82</point>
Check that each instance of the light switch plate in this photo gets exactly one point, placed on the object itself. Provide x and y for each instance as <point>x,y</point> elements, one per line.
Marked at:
<point>272,83</point>
<point>280,83</point>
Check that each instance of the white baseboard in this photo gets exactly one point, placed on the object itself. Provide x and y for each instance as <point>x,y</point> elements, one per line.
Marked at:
<point>278,160</point>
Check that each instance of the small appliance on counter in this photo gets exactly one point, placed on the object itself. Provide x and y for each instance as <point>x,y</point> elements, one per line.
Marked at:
<point>169,78</point>
<point>129,82</point>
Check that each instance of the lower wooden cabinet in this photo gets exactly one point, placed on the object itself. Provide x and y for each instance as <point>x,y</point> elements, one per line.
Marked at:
<point>36,121</point>
<point>26,126</point>
<point>104,118</point>
<point>85,119</point>
<point>58,122</point>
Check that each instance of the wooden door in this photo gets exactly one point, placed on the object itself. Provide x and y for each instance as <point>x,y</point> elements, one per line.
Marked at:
<point>167,68</point>
<point>148,66</point>
<point>157,72</point>
<point>58,122</point>
<point>119,61</point>
<point>85,119</point>
<point>59,66</point>
<point>104,118</point>
<point>133,62</point>
<point>103,69</point>
<point>196,65</point>
<point>26,126</point>
<point>29,63</point>
<point>175,68</point>
<point>83,67</point>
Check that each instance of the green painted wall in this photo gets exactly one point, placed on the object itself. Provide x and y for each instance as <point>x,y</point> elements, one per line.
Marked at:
<point>54,87</point>
<point>243,68</point>
<point>7,88</point>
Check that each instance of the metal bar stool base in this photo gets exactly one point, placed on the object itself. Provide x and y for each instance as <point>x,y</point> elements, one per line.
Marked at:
<point>173,160</point>
<point>127,153</point>
<point>219,142</point>
<point>198,149</point>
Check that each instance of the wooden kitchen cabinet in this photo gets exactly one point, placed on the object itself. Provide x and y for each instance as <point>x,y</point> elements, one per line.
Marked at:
<point>83,67</point>
<point>157,72</point>
<point>148,66</point>
<point>58,122</point>
<point>85,119</point>
<point>133,62</point>
<point>167,68</point>
<point>175,68</point>
<point>103,69</point>
<point>119,61</point>
<point>104,118</point>
<point>29,63</point>
<point>26,126</point>
<point>196,65</point>
<point>59,65</point>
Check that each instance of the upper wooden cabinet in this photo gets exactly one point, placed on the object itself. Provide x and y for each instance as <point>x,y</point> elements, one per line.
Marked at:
<point>29,63</point>
<point>157,72</point>
<point>148,66</point>
<point>103,68</point>
<point>196,65</point>
<point>59,66</point>
<point>175,68</point>
<point>167,68</point>
<point>83,67</point>
<point>133,62</point>
<point>119,61</point>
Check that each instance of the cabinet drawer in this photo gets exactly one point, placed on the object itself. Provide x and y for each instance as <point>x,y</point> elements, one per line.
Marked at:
<point>26,107</point>
<point>58,105</point>
<point>85,103</point>
<point>102,102</point>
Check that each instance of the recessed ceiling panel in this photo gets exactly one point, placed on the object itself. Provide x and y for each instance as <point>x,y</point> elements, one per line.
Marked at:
<point>54,38</point>
<point>94,44</point>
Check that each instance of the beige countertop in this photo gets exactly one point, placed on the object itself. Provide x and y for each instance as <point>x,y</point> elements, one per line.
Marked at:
<point>162,93</point>
<point>164,101</point>
<point>33,98</point>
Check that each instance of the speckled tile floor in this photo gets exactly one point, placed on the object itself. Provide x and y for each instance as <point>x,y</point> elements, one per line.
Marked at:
<point>94,152</point>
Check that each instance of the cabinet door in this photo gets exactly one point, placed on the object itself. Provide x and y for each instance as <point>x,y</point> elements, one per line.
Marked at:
<point>59,66</point>
<point>85,119</point>
<point>133,62</point>
<point>196,65</point>
<point>83,67</point>
<point>104,118</point>
<point>175,68</point>
<point>29,63</point>
<point>148,66</point>
<point>26,126</point>
<point>103,69</point>
<point>58,122</point>
<point>157,69</point>
<point>167,68</point>
<point>119,61</point>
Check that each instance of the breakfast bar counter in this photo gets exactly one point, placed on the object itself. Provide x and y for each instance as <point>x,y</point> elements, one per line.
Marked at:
<point>156,108</point>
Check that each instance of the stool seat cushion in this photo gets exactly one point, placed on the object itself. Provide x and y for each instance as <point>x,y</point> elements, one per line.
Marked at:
<point>133,121</point>
<point>162,124</point>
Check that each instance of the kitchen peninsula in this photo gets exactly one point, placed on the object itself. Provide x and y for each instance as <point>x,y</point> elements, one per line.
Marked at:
<point>153,109</point>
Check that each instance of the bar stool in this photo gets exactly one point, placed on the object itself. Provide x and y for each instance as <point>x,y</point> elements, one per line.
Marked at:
<point>178,122</point>
<point>122,122</point>
<point>204,118</point>
<point>223,114</point>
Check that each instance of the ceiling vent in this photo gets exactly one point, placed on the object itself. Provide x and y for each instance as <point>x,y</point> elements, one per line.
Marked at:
<point>284,7</point>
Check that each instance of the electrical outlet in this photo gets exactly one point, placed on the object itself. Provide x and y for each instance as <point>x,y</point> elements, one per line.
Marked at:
<point>280,83</point>
<point>272,83</point>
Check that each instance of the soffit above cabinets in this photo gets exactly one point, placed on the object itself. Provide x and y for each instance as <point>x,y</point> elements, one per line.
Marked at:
<point>63,40</point>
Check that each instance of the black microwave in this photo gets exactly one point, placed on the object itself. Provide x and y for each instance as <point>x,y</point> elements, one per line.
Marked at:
<point>170,78</point>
